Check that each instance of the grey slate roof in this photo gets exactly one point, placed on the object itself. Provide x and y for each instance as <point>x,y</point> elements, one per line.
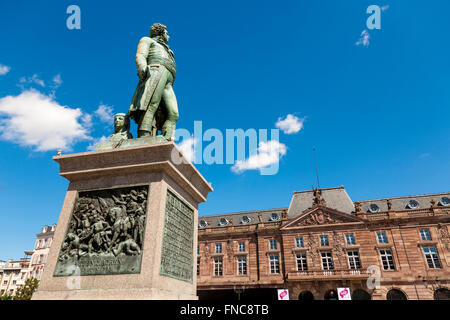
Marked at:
<point>336,198</point>
<point>236,217</point>
<point>401,203</point>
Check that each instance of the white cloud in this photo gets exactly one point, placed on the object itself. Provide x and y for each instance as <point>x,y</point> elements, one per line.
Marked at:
<point>57,81</point>
<point>268,153</point>
<point>290,125</point>
<point>34,79</point>
<point>92,146</point>
<point>105,113</point>
<point>187,147</point>
<point>4,70</point>
<point>36,120</point>
<point>364,39</point>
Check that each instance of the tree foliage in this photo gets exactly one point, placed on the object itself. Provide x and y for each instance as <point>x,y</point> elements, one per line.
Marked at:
<point>26,291</point>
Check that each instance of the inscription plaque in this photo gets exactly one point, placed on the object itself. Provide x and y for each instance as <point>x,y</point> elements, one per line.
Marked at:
<point>177,253</point>
<point>105,233</point>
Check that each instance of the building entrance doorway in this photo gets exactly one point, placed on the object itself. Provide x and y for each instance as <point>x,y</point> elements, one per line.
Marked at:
<point>306,296</point>
<point>331,295</point>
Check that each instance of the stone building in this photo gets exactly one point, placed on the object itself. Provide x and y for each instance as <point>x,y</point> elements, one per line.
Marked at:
<point>42,247</point>
<point>394,248</point>
<point>14,275</point>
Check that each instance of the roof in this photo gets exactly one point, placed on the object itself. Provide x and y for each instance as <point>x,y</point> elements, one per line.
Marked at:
<point>236,217</point>
<point>335,198</point>
<point>401,203</point>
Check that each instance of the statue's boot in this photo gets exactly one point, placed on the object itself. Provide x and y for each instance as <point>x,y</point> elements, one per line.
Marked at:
<point>168,129</point>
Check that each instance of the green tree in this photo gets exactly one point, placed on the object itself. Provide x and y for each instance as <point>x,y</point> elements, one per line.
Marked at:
<point>6,297</point>
<point>26,291</point>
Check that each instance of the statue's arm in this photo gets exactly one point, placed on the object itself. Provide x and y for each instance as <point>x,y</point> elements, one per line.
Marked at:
<point>141,56</point>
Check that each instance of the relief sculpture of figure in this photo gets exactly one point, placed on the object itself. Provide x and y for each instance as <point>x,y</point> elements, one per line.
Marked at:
<point>154,105</point>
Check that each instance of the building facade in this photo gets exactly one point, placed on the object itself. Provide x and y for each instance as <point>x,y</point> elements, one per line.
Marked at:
<point>41,248</point>
<point>394,248</point>
<point>15,272</point>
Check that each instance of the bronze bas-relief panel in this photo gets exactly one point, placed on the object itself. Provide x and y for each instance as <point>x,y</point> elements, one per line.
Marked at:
<point>105,233</point>
<point>177,253</point>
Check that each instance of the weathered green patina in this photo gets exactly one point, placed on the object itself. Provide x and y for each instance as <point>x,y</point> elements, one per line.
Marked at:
<point>177,255</point>
<point>105,234</point>
<point>154,105</point>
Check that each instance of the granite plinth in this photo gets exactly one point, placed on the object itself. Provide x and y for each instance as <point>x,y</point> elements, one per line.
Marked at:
<point>157,166</point>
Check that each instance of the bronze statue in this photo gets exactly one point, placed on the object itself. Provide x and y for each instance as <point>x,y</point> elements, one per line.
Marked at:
<point>154,105</point>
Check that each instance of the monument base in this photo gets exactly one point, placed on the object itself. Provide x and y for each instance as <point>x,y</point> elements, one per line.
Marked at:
<point>113,294</point>
<point>128,226</point>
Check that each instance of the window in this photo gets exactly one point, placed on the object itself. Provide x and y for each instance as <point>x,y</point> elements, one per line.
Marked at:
<point>202,224</point>
<point>327,261</point>
<point>274,262</point>
<point>412,204</point>
<point>218,267</point>
<point>302,264</point>
<point>23,275</point>
<point>198,266</point>
<point>374,208</point>
<point>350,239</point>
<point>382,237</point>
<point>387,259</point>
<point>223,222</point>
<point>274,217</point>
<point>46,242</point>
<point>273,244</point>
<point>353,260</point>
<point>14,282</point>
<point>445,201</point>
<point>245,220</point>
<point>5,282</point>
<point>218,248</point>
<point>324,241</point>
<point>242,265</point>
<point>242,246</point>
<point>299,242</point>
<point>432,258</point>
<point>425,234</point>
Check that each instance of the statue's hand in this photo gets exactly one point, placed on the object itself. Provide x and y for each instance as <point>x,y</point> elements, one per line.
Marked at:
<point>143,73</point>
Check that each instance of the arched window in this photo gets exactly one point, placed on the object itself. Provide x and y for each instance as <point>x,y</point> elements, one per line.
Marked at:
<point>331,295</point>
<point>306,296</point>
<point>395,294</point>
<point>360,294</point>
<point>442,294</point>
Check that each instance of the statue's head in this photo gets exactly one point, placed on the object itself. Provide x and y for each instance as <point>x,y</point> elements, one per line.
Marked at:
<point>159,30</point>
<point>121,122</point>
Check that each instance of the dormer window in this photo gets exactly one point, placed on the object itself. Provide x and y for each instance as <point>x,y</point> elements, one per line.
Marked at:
<point>202,224</point>
<point>274,217</point>
<point>245,220</point>
<point>445,201</point>
<point>223,222</point>
<point>412,204</point>
<point>374,208</point>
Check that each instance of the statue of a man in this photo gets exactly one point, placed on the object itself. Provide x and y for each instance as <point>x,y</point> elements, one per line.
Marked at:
<point>154,105</point>
<point>121,132</point>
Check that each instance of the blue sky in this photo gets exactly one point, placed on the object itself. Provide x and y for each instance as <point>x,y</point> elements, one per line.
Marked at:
<point>377,114</point>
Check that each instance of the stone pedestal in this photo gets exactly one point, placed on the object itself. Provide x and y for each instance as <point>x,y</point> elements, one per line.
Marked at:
<point>161,266</point>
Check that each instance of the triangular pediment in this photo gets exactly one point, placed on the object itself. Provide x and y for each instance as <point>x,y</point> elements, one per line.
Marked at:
<point>320,216</point>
